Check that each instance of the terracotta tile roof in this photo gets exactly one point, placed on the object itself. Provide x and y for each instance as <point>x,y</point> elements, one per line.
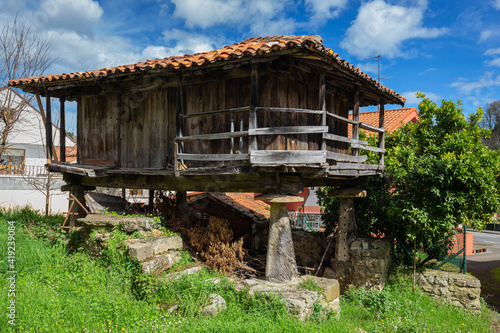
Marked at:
<point>251,47</point>
<point>70,154</point>
<point>393,118</point>
<point>245,203</point>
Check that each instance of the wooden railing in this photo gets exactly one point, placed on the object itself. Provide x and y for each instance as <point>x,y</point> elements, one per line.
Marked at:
<point>240,131</point>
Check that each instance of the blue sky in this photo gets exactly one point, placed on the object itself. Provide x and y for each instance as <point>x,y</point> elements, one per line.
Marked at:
<point>446,49</point>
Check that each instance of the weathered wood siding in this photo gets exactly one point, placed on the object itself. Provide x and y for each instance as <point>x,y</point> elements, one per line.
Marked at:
<point>135,130</point>
<point>147,129</point>
<point>97,131</point>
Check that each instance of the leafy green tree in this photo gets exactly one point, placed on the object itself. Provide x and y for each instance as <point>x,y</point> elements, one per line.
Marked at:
<point>438,176</point>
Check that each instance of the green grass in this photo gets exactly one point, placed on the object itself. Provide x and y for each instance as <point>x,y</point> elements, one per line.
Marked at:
<point>61,292</point>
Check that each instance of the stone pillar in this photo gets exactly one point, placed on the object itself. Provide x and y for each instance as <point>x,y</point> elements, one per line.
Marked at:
<point>347,229</point>
<point>280,261</point>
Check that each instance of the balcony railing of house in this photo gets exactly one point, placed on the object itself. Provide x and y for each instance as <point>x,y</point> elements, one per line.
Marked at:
<point>23,170</point>
<point>246,143</point>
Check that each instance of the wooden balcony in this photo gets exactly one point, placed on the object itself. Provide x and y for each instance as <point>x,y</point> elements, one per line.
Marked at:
<point>244,143</point>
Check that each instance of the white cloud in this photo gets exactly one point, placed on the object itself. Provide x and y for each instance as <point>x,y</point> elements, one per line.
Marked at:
<point>369,67</point>
<point>485,34</point>
<point>72,15</point>
<point>325,9</point>
<point>428,70</point>
<point>494,62</point>
<point>207,13</point>
<point>381,28</point>
<point>496,4</point>
<point>412,100</point>
<point>492,51</point>
<point>487,81</point>
<point>183,42</point>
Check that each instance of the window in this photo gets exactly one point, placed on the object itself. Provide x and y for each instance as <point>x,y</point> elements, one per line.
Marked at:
<point>12,160</point>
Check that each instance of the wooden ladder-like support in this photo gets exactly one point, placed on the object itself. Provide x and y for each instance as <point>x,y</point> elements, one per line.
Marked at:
<point>73,199</point>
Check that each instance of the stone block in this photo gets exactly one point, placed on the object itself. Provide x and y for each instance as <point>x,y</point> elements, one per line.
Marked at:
<point>140,251</point>
<point>162,262</point>
<point>331,288</point>
<point>216,305</point>
<point>166,243</point>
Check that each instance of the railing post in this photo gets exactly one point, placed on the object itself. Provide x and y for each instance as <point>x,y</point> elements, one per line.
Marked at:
<point>179,106</point>
<point>355,117</point>
<point>62,131</point>
<point>381,136</point>
<point>254,100</point>
<point>48,127</point>
<point>322,104</point>
<point>232,131</point>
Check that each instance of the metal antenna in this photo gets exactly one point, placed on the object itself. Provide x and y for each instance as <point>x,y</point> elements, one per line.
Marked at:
<point>378,79</point>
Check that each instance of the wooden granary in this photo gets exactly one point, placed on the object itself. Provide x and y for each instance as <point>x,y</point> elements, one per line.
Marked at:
<point>267,115</point>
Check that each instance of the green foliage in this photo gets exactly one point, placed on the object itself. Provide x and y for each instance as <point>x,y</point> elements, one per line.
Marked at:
<point>438,176</point>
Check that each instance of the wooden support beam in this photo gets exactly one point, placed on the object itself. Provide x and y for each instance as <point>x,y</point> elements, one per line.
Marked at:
<point>179,102</point>
<point>254,101</point>
<point>322,105</point>
<point>280,261</point>
<point>355,118</point>
<point>62,131</point>
<point>48,128</point>
<point>381,135</point>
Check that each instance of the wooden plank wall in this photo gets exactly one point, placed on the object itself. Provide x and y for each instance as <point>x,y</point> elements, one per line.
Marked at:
<point>97,128</point>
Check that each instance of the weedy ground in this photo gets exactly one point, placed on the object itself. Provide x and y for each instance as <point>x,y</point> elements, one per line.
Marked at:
<point>62,291</point>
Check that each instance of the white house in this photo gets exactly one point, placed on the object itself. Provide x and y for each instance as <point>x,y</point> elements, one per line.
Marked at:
<point>22,161</point>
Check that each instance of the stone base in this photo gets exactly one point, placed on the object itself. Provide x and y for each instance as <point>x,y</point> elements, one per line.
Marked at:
<point>127,224</point>
<point>299,302</point>
<point>367,267</point>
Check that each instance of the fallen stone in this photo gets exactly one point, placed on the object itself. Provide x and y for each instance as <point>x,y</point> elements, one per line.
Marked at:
<point>163,262</point>
<point>140,251</point>
<point>178,275</point>
<point>166,243</point>
<point>216,305</point>
<point>330,287</point>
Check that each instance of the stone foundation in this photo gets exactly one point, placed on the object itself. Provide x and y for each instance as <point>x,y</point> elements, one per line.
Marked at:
<point>299,302</point>
<point>454,288</point>
<point>367,267</point>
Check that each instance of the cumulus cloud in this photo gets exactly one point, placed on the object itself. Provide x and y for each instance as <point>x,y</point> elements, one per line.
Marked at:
<point>412,100</point>
<point>68,15</point>
<point>492,52</point>
<point>487,81</point>
<point>485,34</point>
<point>325,9</point>
<point>381,28</point>
<point>207,13</point>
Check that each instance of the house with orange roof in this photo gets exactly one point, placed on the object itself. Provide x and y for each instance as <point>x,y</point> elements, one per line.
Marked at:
<point>394,118</point>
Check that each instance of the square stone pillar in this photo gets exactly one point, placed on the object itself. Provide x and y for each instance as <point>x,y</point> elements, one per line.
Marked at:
<point>347,228</point>
<point>280,261</point>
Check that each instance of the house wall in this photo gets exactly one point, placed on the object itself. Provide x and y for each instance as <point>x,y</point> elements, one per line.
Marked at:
<point>15,191</point>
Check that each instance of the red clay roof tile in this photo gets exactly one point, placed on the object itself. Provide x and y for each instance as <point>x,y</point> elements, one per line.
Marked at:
<point>249,47</point>
<point>393,118</point>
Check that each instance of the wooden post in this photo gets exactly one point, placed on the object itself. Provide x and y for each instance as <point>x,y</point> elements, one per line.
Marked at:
<point>48,127</point>
<point>179,102</point>
<point>151,198</point>
<point>254,100</point>
<point>381,136</point>
<point>281,265</point>
<point>347,229</point>
<point>62,131</point>
<point>75,210</point>
<point>322,104</point>
<point>355,117</point>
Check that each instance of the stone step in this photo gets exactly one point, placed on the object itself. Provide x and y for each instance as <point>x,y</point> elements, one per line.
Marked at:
<point>142,249</point>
